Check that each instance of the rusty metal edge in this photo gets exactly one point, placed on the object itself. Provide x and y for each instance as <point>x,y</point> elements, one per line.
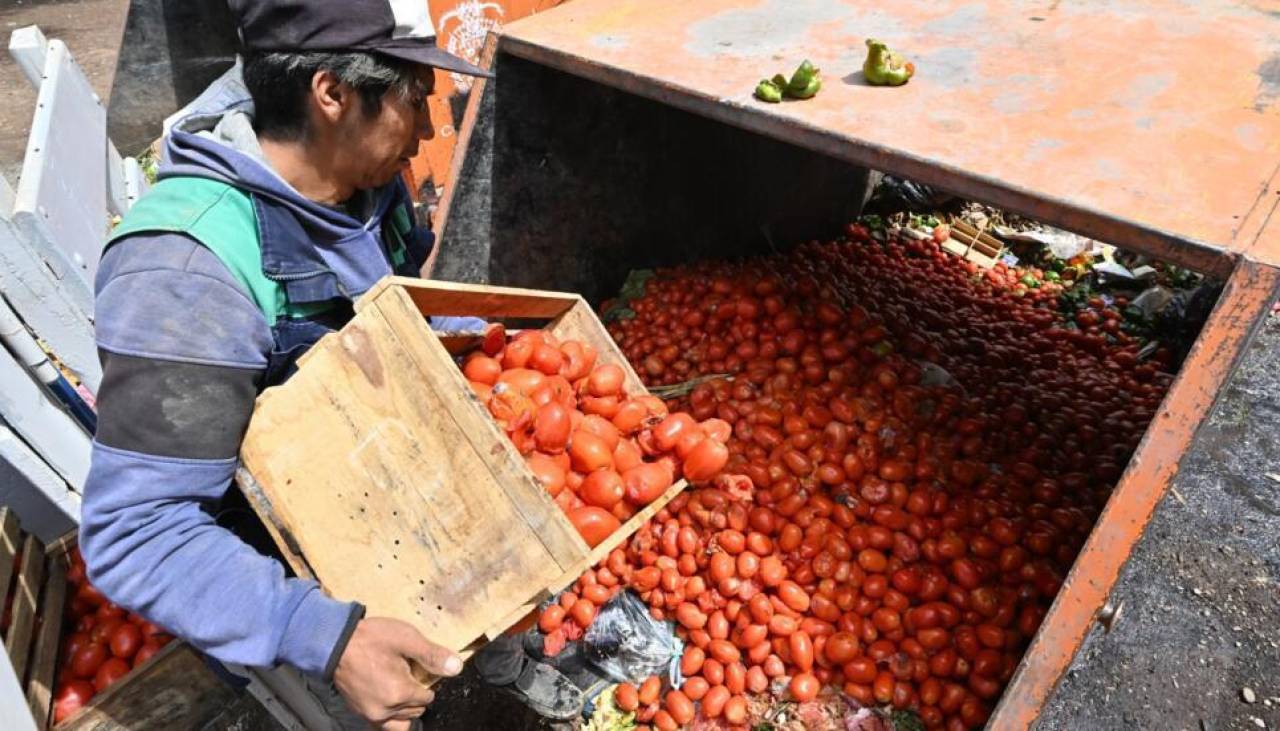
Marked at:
<point>1197,255</point>
<point>1240,311</point>
<point>460,150</point>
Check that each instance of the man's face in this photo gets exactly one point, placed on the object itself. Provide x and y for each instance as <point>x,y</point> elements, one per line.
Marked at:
<point>375,148</point>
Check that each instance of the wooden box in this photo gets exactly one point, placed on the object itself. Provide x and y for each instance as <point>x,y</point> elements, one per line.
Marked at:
<point>174,689</point>
<point>382,476</point>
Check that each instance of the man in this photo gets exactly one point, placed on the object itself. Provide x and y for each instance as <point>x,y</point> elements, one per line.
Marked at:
<point>268,220</point>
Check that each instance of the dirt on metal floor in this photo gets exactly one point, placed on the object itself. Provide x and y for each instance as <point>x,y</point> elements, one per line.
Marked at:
<point>1196,644</point>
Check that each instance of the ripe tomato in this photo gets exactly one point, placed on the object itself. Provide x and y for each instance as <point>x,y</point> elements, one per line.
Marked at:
<point>594,524</point>
<point>602,488</point>
<point>588,452</point>
<point>547,472</point>
<point>605,380</point>
<point>482,369</point>
<point>551,426</point>
<point>626,697</point>
<point>705,460</point>
<point>804,687</point>
<point>70,698</point>
<point>125,641</point>
<point>112,670</point>
<point>86,661</point>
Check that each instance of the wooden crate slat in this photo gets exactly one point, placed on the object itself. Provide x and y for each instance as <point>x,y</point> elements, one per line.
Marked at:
<point>374,425</point>
<point>555,532</point>
<point>173,690</point>
<point>44,658</point>
<point>25,594</point>
<point>10,537</point>
<point>475,300</point>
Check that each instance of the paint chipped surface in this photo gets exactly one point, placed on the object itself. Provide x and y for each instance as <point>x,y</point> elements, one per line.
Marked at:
<point>1122,84</point>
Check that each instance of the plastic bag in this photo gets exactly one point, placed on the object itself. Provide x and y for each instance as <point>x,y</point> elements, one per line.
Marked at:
<point>626,643</point>
<point>895,194</point>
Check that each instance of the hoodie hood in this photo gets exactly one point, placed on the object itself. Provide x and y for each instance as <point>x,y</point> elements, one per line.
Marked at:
<point>316,251</point>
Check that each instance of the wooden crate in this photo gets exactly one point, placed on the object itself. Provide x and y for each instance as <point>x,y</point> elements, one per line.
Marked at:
<point>383,477</point>
<point>975,245</point>
<point>174,689</point>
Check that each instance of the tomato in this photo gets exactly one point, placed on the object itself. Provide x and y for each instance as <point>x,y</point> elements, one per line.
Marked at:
<point>551,426</point>
<point>86,660</point>
<point>125,641</point>
<point>679,706</point>
<point>594,524</point>
<point>602,488</point>
<point>626,697</point>
<point>482,369</point>
<point>90,595</point>
<point>606,380</point>
<point>547,472</point>
<point>714,701</point>
<point>705,460</point>
<point>70,698</point>
<point>735,711</point>
<point>801,648</point>
<point>588,452</point>
<point>649,690</point>
<point>109,672</point>
<point>583,612</point>
<point>804,687</point>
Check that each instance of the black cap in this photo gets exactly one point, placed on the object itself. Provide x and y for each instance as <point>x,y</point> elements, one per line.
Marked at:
<point>398,28</point>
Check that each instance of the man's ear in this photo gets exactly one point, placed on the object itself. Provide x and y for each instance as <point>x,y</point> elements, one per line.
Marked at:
<point>330,95</point>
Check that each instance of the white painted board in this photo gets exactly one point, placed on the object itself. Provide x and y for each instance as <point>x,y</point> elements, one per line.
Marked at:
<point>51,310</point>
<point>45,505</point>
<point>61,203</point>
<point>35,416</point>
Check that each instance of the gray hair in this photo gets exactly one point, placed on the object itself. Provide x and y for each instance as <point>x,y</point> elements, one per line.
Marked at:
<point>279,83</point>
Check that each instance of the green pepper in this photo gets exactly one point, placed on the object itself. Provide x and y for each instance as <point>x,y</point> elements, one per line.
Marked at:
<point>884,67</point>
<point>1030,281</point>
<point>768,91</point>
<point>1052,276</point>
<point>805,82</point>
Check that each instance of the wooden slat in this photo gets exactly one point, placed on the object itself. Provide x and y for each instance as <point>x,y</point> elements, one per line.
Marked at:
<point>598,554</point>
<point>360,458</point>
<point>61,545</point>
<point>44,658</point>
<point>173,690</point>
<point>474,300</point>
<point>25,593</point>
<point>9,539</point>
<point>530,500</point>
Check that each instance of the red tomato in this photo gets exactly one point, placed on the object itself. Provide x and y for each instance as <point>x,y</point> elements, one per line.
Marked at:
<point>626,697</point>
<point>70,698</point>
<point>602,488</point>
<point>594,524</point>
<point>148,649</point>
<point>588,452</point>
<point>86,661</point>
<point>606,380</point>
<point>125,641</point>
<point>482,369</point>
<point>645,483</point>
<point>551,426</point>
<point>804,687</point>
<point>109,672</point>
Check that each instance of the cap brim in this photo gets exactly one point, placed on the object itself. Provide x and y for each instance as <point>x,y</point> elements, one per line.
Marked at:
<point>423,51</point>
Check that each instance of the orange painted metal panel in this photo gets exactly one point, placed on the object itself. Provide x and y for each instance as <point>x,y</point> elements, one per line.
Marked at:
<point>461,28</point>
<point>1242,307</point>
<point>1153,123</point>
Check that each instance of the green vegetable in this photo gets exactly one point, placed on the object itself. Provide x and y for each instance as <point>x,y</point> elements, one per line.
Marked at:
<point>768,91</point>
<point>805,82</point>
<point>884,67</point>
<point>1052,276</point>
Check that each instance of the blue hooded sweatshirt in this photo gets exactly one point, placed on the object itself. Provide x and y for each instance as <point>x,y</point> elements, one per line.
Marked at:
<point>185,351</point>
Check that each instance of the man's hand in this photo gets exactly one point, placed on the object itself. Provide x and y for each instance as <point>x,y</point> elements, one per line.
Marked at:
<point>375,677</point>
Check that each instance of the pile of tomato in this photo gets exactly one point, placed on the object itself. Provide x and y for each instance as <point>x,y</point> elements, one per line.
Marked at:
<point>600,452</point>
<point>915,461</point>
<point>101,643</point>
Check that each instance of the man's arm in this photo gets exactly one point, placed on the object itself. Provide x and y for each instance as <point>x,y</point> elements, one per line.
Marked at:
<point>183,348</point>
